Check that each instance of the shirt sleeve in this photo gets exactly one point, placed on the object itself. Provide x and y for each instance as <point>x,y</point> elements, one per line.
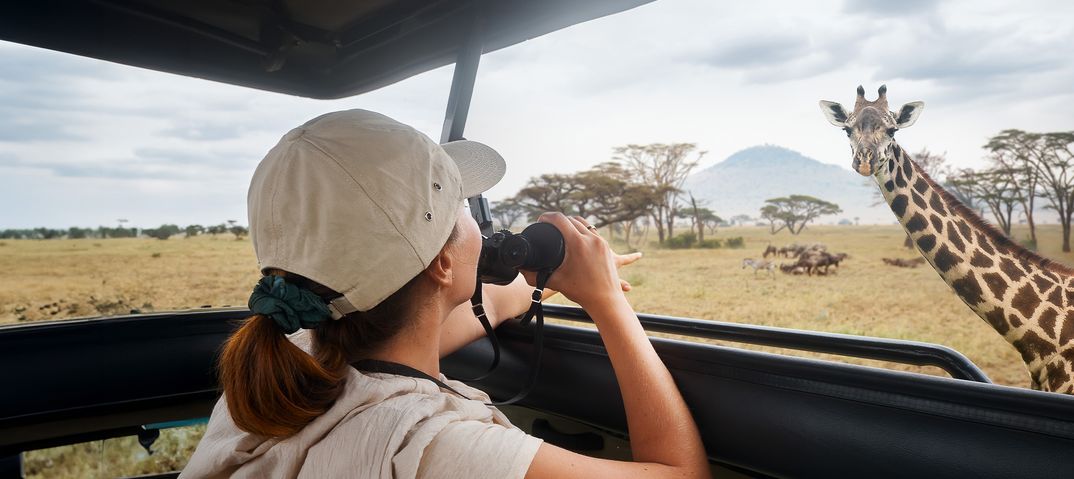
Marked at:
<point>474,449</point>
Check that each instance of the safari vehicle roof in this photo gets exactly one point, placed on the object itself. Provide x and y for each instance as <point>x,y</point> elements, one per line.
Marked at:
<point>312,48</point>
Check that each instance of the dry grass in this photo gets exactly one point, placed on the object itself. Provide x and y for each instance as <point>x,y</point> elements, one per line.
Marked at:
<point>60,279</point>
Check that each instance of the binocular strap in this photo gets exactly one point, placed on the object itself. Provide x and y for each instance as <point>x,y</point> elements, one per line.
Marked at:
<point>535,311</point>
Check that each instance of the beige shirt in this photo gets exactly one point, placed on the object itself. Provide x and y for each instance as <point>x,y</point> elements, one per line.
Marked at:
<point>382,425</point>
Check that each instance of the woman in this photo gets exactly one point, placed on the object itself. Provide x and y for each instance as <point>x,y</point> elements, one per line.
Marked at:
<point>359,225</point>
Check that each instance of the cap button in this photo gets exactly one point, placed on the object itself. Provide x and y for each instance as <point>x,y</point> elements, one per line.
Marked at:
<point>294,134</point>
<point>428,216</point>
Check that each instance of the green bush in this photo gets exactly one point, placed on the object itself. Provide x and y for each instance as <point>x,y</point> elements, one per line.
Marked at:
<point>736,242</point>
<point>710,244</point>
<point>681,241</point>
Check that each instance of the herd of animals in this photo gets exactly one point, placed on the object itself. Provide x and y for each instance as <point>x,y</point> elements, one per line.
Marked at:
<point>810,260</point>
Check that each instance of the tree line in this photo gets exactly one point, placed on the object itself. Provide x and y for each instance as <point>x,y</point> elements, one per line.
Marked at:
<point>641,187</point>
<point>162,232</point>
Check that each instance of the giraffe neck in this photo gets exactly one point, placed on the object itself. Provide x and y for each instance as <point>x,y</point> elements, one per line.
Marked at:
<point>1026,298</point>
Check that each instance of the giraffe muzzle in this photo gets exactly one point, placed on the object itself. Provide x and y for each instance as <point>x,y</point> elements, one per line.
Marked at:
<point>865,165</point>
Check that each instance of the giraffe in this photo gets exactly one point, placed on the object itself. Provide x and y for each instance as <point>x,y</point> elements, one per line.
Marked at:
<point>1026,298</point>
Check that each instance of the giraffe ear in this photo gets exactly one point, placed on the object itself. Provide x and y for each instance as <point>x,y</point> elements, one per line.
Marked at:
<point>834,112</point>
<point>908,114</point>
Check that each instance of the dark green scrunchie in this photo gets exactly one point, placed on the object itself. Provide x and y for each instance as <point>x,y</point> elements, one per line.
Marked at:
<point>290,306</point>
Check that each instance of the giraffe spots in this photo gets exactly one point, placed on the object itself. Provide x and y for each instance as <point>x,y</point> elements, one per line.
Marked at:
<point>919,201</point>
<point>981,261</point>
<point>1050,275</point>
<point>1015,321</point>
<point>916,223</point>
<point>984,244</point>
<point>1043,284</point>
<point>965,229</point>
<point>945,260</point>
<point>1056,376</point>
<point>926,243</point>
<point>907,168</point>
<point>891,166</point>
<point>889,185</point>
<point>956,240</point>
<point>1010,269</point>
<point>968,289</point>
<point>997,321</point>
<point>1056,297</point>
<point>1026,301</point>
<point>1069,295</point>
<point>1066,335</point>
<point>921,186</point>
<point>937,223</point>
<point>898,205</point>
<point>900,181</point>
<point>1047,321</point>
<point>996,284</point>
<point>1032,346</point>
<point>937,203</point>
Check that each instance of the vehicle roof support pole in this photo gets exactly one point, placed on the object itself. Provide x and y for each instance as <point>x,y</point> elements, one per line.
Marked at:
<point>458,107</point>
<point>462,84</point>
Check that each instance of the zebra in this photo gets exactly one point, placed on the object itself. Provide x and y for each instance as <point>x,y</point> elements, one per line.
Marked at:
<point>759,265</point>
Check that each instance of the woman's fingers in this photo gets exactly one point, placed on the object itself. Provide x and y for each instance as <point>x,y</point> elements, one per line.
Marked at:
<point>579,224</point>
<point>625,259</point>
<point>560,221</point>
<point>625,285</point>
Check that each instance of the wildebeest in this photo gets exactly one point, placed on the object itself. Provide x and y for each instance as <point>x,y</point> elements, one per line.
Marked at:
<point>904,263</point>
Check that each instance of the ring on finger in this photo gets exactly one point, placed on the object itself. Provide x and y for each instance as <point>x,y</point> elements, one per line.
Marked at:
<point>592,228</point>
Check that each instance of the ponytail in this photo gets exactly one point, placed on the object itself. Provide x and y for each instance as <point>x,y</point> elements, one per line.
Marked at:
<point>272,387</point>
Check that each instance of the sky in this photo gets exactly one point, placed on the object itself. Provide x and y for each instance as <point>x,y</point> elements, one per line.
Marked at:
<point>85,142</point>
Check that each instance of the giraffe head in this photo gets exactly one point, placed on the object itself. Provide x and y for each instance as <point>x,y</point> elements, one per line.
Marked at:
<point>871,127</point>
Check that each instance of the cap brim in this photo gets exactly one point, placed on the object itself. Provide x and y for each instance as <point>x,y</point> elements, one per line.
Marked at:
<point>480,166</point>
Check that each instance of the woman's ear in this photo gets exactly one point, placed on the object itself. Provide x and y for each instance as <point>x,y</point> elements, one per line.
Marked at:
<point>440,269</point>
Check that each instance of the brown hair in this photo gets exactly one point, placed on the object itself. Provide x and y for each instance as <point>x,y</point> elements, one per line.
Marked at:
<point>274,388</point>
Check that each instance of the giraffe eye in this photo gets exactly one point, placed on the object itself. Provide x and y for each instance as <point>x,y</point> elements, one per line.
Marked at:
<point>891,131</point>
<point>848,130</point>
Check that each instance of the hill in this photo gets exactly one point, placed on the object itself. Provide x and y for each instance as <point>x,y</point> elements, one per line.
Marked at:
<point>741,183</point>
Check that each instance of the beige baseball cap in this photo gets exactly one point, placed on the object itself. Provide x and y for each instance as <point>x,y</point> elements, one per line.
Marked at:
<point>361,203</point>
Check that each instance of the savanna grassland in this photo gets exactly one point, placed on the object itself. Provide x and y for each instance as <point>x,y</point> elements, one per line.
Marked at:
<point>60,279</point>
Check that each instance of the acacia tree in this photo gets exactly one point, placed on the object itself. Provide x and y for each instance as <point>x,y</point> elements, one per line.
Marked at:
<point>1051,156</point>
<point>794,212</point>
<point>194,230</point>
<point>550,192</point>
<point>993,187</point>
<point>508,212</point>
<point>1010,153</point>
<point>664,167</point>
<point>612,195</point>
<point>607,193</point>
<point>701,218</point>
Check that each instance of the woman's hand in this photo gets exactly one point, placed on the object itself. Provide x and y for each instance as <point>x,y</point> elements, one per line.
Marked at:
<point>589,274</point>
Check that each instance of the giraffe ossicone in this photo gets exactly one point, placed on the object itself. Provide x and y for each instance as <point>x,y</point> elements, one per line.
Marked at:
<point>1026,298</point>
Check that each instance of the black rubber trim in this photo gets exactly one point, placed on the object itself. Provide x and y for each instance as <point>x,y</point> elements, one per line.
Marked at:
<point>894,350</point>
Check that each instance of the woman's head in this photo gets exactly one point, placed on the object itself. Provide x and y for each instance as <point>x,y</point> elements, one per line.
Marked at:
<point>366,215</point>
